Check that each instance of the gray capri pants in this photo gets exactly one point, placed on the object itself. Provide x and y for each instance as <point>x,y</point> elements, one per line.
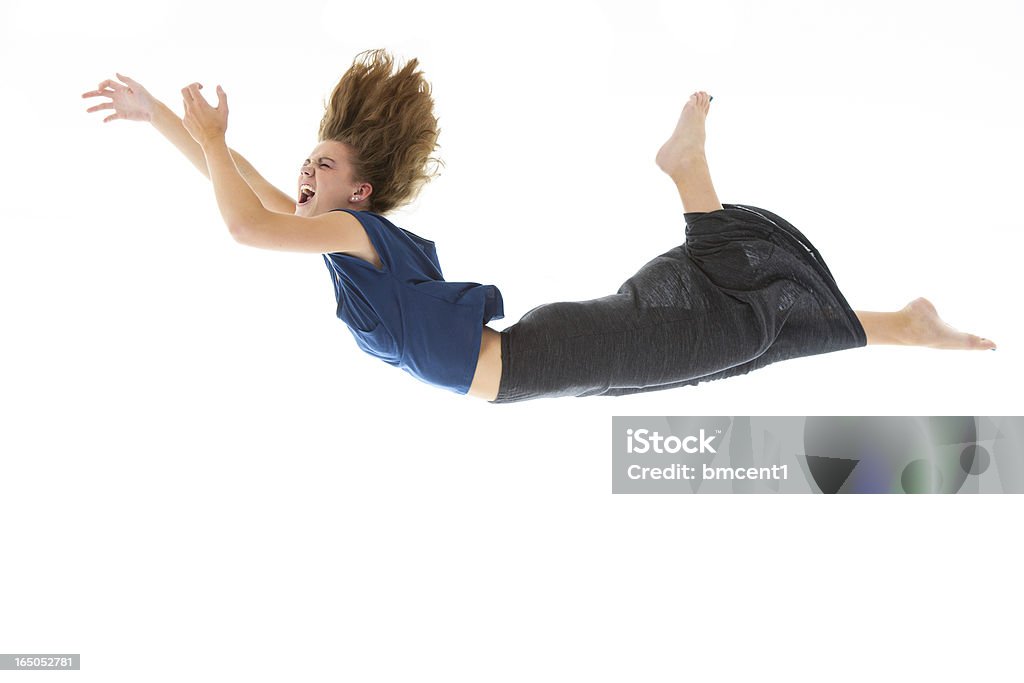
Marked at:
<point>746,289</point>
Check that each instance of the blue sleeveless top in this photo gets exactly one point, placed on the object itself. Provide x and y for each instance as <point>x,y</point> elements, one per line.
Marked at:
<point>405,313</point>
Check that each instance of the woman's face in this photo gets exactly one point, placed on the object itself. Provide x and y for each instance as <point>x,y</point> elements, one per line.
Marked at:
<point>328,172</point>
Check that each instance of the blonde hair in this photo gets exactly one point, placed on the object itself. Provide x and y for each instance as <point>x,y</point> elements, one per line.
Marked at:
<point>388,123</point>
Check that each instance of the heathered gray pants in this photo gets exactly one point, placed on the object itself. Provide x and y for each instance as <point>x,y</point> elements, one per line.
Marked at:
<point>746,289</point>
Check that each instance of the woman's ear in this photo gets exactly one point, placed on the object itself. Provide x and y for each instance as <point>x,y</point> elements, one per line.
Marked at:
<point>362,192</point>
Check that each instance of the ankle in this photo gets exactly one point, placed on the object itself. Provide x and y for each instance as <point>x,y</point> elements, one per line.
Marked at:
<point>685,164</point>
<point>906,328</point>
<point>890,327</point>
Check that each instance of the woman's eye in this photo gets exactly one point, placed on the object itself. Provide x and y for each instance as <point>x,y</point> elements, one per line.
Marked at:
<point>324,166</point>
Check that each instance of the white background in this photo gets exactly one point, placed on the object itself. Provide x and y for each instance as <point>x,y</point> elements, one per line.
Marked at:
<point>203,478</point>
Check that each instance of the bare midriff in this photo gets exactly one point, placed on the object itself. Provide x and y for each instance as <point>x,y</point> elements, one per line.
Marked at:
<point>488,367</point>
<point>487,376</point>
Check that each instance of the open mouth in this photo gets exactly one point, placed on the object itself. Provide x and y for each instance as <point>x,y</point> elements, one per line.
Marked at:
<point>305,194</point>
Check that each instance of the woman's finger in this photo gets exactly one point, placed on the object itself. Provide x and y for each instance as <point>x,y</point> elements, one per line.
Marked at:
<point>201,101</point>
<point>105,105</point>
<point>193,91</point>
<point>114,85</point>
<point>112,117</point>
<point>186,94</point>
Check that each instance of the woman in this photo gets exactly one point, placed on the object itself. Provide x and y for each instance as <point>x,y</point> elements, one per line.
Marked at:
<point>744,290</point>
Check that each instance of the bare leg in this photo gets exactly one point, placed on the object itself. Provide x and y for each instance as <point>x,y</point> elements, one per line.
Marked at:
<point>682,157</point>
<point>918,324</point>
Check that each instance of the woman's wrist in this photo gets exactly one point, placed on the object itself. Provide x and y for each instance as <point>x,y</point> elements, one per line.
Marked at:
<point>218,144</point>
<point>162,115</point>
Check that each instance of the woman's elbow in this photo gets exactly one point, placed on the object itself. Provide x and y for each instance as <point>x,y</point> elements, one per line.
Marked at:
<point>239,234</point>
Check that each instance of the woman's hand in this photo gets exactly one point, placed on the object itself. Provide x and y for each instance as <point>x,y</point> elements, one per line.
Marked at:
<point>130,102</point>
<point>203,122</point>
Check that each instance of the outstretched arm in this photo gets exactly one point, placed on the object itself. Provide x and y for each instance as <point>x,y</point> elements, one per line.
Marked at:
<point>132,102</point>
<point>249,221</point>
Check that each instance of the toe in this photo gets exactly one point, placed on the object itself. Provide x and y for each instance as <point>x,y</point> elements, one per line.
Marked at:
<point>981,342</point>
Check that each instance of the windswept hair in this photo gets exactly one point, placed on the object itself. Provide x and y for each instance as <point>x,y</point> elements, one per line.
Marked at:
<point>388,122</point>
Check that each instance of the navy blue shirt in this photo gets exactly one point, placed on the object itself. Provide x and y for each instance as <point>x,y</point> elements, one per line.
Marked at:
<point>405,313</point>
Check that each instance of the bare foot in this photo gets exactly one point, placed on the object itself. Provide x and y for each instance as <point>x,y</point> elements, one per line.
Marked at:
<point>687,139</point>
<point>925,328</point>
